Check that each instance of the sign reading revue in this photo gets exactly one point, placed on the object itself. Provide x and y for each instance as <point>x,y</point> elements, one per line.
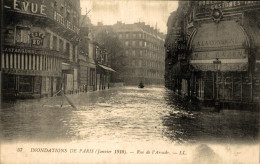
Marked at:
<point>29,7</point>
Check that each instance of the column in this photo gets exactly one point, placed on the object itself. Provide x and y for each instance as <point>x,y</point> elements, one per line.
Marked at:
<point>22,61</point>
<point>6,61</point>
<point>30,62</point>
<point>19,61</point>
<point>15,61</point>
<point>37,62</point>
<point>34,62</point>
<point>41,61</point>
<point>51,64</point>
<point>11,61</point>
<point>26,61</point>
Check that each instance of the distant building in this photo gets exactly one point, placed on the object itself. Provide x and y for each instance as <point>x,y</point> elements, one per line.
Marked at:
<point>144,49</point>
<point>40,47</point>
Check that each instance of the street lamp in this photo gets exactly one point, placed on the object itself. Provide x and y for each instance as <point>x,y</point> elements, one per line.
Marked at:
<point>217,66</point>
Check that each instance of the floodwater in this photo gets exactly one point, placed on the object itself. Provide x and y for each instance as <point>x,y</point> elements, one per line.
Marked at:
<point>126,114</point>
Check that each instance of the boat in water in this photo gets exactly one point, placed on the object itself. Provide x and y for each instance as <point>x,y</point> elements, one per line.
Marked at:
<point>141,85</point>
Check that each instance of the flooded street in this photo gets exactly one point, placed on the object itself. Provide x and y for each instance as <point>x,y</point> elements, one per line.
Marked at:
<point>126,114</point>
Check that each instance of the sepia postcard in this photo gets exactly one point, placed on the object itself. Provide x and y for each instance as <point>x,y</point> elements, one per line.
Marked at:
<point>129,81</point>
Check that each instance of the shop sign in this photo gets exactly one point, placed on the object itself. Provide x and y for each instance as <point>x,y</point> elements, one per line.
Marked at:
<point>37,38</point>
<point>224,67</point>
<point>206,6</point>
<point>228,35</point>
<point>215,42</point>
<point>227,54</point>
<point>24,50</point>
<point>66,23</point>
<point>31,72</point>
<point>29,7</point>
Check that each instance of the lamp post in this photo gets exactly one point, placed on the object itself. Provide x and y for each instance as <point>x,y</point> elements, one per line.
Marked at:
<point>217,66</point>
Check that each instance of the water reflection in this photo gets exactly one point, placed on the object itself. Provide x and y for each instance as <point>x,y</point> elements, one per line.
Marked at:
<point>126,114</point>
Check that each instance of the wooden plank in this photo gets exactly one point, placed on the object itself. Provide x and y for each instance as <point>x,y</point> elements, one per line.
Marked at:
<point>68,100</point>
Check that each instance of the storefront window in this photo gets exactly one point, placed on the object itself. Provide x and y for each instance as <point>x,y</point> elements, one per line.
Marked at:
<point>25,84</point>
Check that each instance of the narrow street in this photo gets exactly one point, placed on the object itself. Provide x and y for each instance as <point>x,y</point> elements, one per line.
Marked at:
<point>125,114</point>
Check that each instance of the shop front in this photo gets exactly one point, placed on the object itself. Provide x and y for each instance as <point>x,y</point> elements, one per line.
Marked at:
<point>29,72</point>
<point>220,62</point>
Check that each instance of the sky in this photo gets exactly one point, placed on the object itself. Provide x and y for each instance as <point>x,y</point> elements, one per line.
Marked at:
<point>154,13</point>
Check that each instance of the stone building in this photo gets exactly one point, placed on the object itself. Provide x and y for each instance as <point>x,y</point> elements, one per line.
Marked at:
<point>87,56</point>
<point>144,49</point>
<point>220,53</point>
<point>95,63</point>
<point>40,47</point>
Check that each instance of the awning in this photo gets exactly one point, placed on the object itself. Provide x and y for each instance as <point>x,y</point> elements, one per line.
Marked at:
<point>106,68</point>
<point>65,66</point>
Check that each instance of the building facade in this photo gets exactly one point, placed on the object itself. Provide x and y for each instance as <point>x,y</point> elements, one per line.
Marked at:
<point>40,47</point>
<point>215,55</point>
<point>95,63</point>
<point>144,49</point>
<point>104,69</point>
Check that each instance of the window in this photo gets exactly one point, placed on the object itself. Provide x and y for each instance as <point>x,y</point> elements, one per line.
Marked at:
<point>92,77</point>
<point>61,45</point>
<point>68,16</point>
<point>126,43</point>
<point>140,63</point>
<point>133,62</point>
<point>67,49</point>
<point>26,83</point>
<point>133,52</point>
<point>140,43</point>
<point>62,10</point>
<point>22,35</point>
<point>126,52</point>
<point>55,43</point>
<point>74,53</point>
<point>134,35</point>
<point>120,36</point>
<point>127,36</point>
<point>141,53</point>
<point>133,43</point>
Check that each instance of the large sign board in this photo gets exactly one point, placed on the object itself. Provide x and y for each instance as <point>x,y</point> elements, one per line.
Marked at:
<point>226,54</point>
<point>29,7</point>
<point>31,72</point>
<point>224,41</point>
<point>207,6</point>
<point>224,67</point>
